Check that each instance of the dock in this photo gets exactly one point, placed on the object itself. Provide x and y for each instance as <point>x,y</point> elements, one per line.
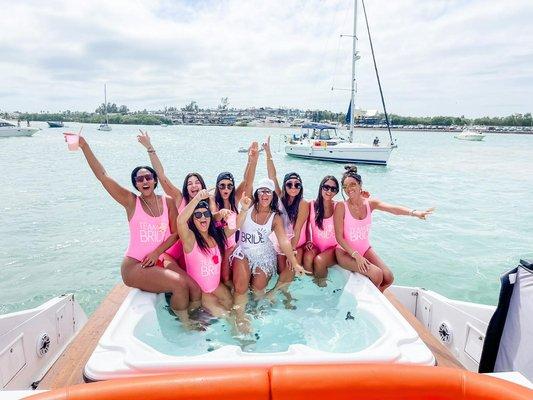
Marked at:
<point>68,369</point>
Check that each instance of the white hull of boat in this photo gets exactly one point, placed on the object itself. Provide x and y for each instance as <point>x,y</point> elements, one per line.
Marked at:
<point>472,138</point>
<point>32,340</point>
<point>458,325</point>
<point>14,131</point>
<point>105,128</point>
<point>347,152</point>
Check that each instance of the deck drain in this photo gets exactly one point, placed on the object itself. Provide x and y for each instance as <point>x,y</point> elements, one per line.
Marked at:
<point>43,344</point>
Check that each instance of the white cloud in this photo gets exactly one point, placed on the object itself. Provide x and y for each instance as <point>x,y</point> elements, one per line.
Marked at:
<point>435,57</point>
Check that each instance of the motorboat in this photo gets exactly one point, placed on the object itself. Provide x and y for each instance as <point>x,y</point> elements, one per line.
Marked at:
<point>415,329</point>
<point>105,126</point>
<point>55,124</point>
<point>344,150</point>
<point>8,129</point>
<point>470,134</point>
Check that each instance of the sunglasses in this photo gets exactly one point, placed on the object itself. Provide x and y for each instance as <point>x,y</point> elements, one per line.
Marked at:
<point>296,185</point>
<point>199,214</point>
<point>268,192</point>
<point>328,188</point>
<point>224,186</point>
<point>350,186</point>
<point>142,178</point>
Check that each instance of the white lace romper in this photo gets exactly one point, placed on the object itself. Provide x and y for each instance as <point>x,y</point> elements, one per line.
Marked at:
<point>255,244</point>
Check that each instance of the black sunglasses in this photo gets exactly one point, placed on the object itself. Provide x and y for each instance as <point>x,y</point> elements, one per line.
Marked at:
<point>296,185</point>
<point>328,188</point>
<point>142,178</point>
<point>224,186</point>
<point>199,214</point>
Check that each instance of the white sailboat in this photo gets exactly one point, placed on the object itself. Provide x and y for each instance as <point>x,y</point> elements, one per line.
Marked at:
<point>338,149</point>
<point>105,126</point>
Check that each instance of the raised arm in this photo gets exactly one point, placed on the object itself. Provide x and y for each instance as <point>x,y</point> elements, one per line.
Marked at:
<point>245,202</point>
<point>185,234</point>
<point>376,204</point>
<point>271,168</point>
<point>246,186</point>
<point>122,195</point>
<point>166,184</point>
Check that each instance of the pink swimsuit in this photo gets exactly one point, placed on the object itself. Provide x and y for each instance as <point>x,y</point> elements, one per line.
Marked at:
<point>303,235</point>
<point>322,238</point>
<point>204,268</point>
<point>147,232</point>
<point>176,250</point>
<point>357,231</point>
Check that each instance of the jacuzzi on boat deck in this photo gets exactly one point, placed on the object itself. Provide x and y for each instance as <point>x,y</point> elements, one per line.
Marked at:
<point>360,326</point>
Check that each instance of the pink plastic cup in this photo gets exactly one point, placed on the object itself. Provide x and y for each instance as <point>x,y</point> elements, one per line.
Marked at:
<point>73,141</point>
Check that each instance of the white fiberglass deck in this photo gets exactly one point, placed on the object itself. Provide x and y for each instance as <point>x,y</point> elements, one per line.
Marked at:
<point>348,321</point>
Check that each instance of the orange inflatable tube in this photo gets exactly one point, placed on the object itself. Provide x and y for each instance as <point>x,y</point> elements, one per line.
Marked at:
<point>303,382</point>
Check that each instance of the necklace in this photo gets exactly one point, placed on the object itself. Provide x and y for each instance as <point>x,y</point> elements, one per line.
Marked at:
<point>257,220</point>
<point>162,226</point>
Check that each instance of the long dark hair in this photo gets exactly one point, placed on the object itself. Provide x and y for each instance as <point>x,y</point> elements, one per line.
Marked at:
<point>273,205</point>
<point>184,190</point>
<point>292,209</point>
<point>215,233</point>
<point>218,197</point>
<point>319,202</point>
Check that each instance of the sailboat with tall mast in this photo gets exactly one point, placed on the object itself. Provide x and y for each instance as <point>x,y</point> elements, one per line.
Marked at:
<point>320,145</point>
<point>105,126</point>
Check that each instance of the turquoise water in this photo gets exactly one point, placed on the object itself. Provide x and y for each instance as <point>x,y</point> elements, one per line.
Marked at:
<point>61,232</point>
<point>318,320</point>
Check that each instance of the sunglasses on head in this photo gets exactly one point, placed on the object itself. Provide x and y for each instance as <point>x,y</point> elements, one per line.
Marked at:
<point>224,186</point>
<point>296,185</point>
<point>142,178</point>
<point>328,188</point>
<point>199,214</point>
<point>264,191</point>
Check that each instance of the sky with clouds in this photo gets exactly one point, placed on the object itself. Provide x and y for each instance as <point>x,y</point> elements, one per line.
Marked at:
<point>435,57</point>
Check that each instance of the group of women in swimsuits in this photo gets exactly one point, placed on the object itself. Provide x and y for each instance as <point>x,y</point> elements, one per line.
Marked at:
<point>209,247</point>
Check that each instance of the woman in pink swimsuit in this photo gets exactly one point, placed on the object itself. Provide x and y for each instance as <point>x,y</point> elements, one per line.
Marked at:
<point>294,209</point>
<point>192,184</point>
<point>204,248</point>
<point>224,205</point>
<point>353,219</point>
<point>319,252</point>
<point>152,231</point>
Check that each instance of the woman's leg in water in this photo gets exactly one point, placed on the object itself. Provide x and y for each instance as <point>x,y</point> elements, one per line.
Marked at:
<point>309,256</point>
<point>195,293</point>
<point>158,280</point>
<point>347,262</point>
<point>321,264</point>
<point>388,276</point>
<point>219,302</point>
<point>225,272</point>
<point>241,284</point>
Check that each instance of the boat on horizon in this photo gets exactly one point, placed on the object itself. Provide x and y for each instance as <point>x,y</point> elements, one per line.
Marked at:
<point>55,124</point>
<point>8,129</point>
<point>470,134</point>
<point>338,149</point>
<point>105,126</point>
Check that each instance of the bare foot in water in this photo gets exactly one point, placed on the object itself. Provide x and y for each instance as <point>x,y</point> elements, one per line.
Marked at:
<point>321,282</point>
